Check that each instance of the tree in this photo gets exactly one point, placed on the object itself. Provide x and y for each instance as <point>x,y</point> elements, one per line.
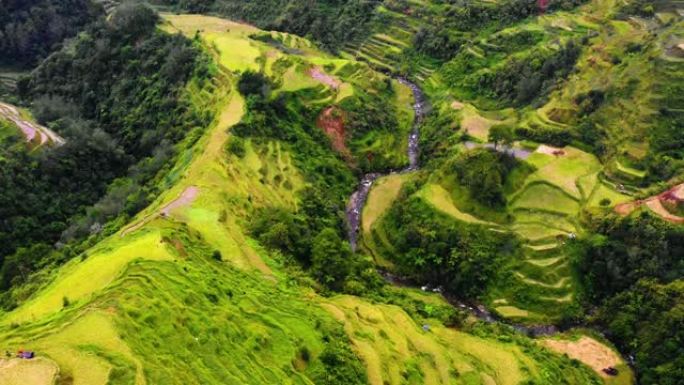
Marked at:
<point>483,174</point>
<point>501,134</point>
<point>254,83</point>
<point>331,259</point>
<point>646,321</point>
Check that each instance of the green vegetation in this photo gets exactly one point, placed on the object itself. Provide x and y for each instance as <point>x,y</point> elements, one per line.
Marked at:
<point>642,321</point>
<point>192,228</point>
<point>623,251</point>
<point>120,122</point>
<point>331,23</point>
<point>432,247</point>
<point>32,29</point>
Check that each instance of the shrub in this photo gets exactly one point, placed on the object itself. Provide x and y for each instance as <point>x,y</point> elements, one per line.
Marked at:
<point>236,146</point>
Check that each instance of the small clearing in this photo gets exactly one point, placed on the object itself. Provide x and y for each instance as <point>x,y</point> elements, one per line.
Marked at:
<point>317,73</point>
<point>38,371</point>
<point>477,126</point>
<point>383,193</point>
<point>456,105</point>
<point>186,198</point>
<point>588,351</point>
<point>549,150</point>
<point>512,311</point>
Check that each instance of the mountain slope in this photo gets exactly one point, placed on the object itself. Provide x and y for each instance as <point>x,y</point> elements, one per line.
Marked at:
<point>183,295</point>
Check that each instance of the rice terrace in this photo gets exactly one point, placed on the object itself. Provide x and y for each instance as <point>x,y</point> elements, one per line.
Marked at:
<point>342,192</point>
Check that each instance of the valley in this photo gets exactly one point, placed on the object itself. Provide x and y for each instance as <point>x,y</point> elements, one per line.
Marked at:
<point>424,193</point>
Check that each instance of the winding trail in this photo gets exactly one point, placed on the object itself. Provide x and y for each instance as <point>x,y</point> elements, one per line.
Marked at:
<point>29,129</point>
<point>358,198</point>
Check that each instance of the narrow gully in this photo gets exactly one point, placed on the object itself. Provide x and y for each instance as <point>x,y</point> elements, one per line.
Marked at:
<point>358,198</point>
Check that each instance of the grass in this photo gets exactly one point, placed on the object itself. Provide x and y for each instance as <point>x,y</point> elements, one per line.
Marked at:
<point>39,371</point>
<point>603,192</point>
<point>512,312</point>
<point>545,197</point>
<point>565,170</point>
<point>440,199</point>
<point>391,343</point>
<point>385,190</point>
<point>154,307</point>
<point>78,280</point>
<point>477,123</point>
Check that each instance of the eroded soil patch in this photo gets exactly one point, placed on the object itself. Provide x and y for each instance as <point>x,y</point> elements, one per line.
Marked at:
<point>331,121</point>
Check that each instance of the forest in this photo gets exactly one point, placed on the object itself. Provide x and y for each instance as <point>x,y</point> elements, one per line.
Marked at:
<point>111,154</point>
<point>32,29</point>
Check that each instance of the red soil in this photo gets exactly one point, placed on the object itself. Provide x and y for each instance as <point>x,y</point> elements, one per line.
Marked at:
<point>655,203</point>
<point>331,121</point>
<point>318,74</point>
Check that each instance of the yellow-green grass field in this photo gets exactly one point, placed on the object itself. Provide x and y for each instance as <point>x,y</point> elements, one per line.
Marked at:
<point>383,193</point>
<point>440,199</point>
<point>78,280</point>
<point>397,350</point>
<point>546,197</point>
<point>39,371</point>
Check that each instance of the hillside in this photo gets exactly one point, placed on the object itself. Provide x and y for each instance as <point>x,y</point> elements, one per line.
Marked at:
<point>184,279</point>
<point>344,192</point>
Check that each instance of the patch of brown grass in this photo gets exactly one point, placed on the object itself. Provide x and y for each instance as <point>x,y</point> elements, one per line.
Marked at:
<point>588,351</point>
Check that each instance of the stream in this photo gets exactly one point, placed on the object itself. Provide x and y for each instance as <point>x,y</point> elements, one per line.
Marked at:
<point>358,199</point>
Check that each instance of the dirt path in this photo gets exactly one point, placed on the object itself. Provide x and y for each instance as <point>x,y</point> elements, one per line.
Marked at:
<point>317,73</point>
<point>655,204</point>
<point>331,121</point>
<point>30,129</point>
<point>186,198</point>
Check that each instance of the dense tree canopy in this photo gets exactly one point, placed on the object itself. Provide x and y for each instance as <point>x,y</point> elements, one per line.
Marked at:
<point>117,98</point>
<point>648,322</point>
<point>624,250</point>
<point>431,247</point>
<point>330,22</point>
<point>31,29</point>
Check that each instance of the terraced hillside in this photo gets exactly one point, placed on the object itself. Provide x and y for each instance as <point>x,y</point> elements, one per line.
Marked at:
<point>568,173</point>
<point>183,294</point>
<point>544,212</point>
